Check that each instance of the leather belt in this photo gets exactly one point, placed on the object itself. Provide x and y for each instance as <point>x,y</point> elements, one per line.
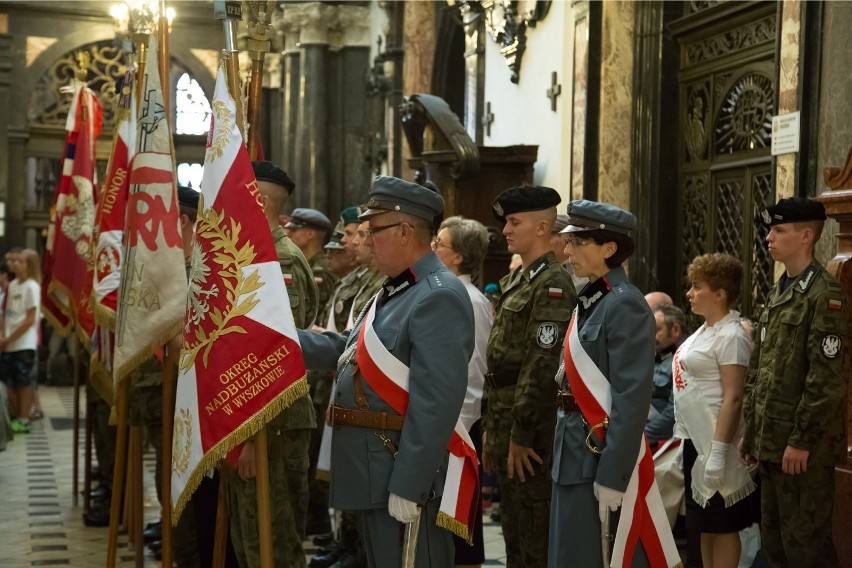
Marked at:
<point>500,379</point>
<point>567,402</point>
<point>366,419</point>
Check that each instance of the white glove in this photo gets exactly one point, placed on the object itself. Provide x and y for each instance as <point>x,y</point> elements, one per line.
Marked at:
<point>608,500</point>
<point>714,469</point>
<point>402,509</point>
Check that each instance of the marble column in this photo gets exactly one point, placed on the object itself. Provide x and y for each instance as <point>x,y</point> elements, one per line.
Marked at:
<point>289,88</point>
<point>788,90</point>
<point>419,40</point>
<point>616,103</point>
<point>311,130</point>
<point>353,59</point>
<point>5,104</point>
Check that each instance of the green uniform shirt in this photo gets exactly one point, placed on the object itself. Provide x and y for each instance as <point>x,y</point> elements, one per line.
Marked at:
<point>530,322</point>
<point>304,301</point>
<point>326,283</point>
<point>341,300</point>
<point>371,282</point>
<point>795,391</point>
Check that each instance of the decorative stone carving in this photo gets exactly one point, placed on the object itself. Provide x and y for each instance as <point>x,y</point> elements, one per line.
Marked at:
<point>745,117</point>
<point>737,39</point>
<point>507,22</point>
<point>354,25</point>
<point>312,21</point>
<point>697,124</point>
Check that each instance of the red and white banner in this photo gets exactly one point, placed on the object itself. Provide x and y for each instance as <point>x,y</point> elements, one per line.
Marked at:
<point>70,283</point>
<point>241,363</point>
<point>388,376</point>
<point>152,289</point>
<point>112,205</point>
<point>643,517</point>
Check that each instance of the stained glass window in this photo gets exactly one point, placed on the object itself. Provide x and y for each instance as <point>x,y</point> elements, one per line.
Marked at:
<point>192,109</point>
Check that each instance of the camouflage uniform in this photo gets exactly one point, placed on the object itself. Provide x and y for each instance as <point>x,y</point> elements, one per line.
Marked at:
<point>288,438</point>
<point>523,356</point>
<point>795,395</point>
<point>320,384</point>
<point>371,283</point>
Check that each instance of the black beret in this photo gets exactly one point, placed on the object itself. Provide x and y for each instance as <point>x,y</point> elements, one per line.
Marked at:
<point>524,198</point>
<point>791,210</point>
<point>394,194</point>
<point>585,215</point>
<point>264,170</point>
<point>188,197</point>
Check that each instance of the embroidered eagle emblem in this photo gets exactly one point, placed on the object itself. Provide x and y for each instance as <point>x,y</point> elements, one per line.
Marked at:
<point>831,346</point>
<point>547,334</point>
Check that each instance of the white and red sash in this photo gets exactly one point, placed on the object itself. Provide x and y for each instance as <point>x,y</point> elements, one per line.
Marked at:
<point>388,377</point>
<point>643,516</point>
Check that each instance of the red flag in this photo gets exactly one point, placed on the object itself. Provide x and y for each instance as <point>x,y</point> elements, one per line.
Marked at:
<point>71,281</point>
<point>152,288</point>
<point>55,316</point>
<point>241,362</point>
<point>110,216</point>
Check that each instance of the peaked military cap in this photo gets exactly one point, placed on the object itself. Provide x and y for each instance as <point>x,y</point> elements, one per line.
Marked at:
<point>350,215</point>
<point>791,210</point>
<point>585,215</point>
<point>393,194</point>
<point>334,243</point>
<point>188,197</point>
<point>561,223</point>
<point>264,170</point>
<point>308,218</point>
<point>524,198</point>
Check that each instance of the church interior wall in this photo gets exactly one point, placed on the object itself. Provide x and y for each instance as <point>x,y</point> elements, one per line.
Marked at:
<point>522,112</point>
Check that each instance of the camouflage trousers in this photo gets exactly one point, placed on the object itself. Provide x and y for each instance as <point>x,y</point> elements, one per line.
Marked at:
<point>796,512</point>
<point>288,489</point>
<point>103,434</point>
<point>525,517</point>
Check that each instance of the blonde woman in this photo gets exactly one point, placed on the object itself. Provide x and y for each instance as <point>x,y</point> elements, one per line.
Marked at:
<point>20,335</point>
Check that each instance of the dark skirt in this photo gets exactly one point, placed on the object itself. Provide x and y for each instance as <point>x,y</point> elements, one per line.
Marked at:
<point>715,517</point>
<point>465,553</point>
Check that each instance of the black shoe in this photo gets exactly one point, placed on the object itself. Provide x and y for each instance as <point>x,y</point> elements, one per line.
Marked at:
<point>326,560</point>
<point>98,517</point>
<point>100,492</point>
<point>318,522</point>
<point>153,531</point>
<point>323,540</point>
<point>348,560</point>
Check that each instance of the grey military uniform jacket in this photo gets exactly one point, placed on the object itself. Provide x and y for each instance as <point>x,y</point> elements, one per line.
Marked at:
<point>428,325</point>
<point>617,331</point>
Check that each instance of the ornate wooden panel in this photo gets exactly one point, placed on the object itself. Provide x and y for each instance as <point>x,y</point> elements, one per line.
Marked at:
<point>727,100</point>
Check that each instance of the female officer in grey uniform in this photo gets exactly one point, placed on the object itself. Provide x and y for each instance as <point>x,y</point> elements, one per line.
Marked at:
<point>606,372</point>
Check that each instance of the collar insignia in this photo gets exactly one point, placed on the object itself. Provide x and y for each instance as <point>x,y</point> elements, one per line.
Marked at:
<point>806,280</point>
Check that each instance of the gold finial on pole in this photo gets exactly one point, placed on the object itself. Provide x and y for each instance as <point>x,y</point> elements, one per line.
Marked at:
<point>259,44</point>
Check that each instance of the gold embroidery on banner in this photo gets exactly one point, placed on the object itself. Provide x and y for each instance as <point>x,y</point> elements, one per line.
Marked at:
<point>182,444</point>
<point>240,289</point>
<point>223,123</point>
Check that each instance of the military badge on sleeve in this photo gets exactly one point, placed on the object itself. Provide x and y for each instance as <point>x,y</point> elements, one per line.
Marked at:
<point>830,346</point>
<point>547,334</point>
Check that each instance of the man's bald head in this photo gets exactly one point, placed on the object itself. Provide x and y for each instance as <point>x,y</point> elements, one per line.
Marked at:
<point>655,299</point>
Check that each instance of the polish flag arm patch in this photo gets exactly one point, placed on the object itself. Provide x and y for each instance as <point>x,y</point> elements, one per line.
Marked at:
<point>557,292</point>
<point>834,304</point>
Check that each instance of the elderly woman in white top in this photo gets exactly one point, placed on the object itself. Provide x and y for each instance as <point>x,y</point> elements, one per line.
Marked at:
<point>709,378</point>
<point>461,244</point>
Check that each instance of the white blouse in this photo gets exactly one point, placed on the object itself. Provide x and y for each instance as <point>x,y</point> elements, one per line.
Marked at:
<point>711,346</point>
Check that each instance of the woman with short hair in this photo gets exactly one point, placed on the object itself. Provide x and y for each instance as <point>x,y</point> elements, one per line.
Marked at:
<point>709,381</point>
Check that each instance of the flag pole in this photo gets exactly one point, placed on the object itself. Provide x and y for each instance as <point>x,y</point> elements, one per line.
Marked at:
<point>260,14</point>
<point>170,360</point>
<point>118,470</point>
<point>259,44</point>
<point>230,12</point>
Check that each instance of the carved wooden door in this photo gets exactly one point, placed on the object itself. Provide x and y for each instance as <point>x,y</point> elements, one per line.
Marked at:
<point>726,103</point>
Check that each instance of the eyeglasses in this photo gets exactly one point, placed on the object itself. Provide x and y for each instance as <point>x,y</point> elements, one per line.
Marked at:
<point>371,231</point>
<point>436,244</point>
<point>574,242</point>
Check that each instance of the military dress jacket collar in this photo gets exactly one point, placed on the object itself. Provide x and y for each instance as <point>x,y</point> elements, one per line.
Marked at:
<point>800,286</point>
<point>532,271</point>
